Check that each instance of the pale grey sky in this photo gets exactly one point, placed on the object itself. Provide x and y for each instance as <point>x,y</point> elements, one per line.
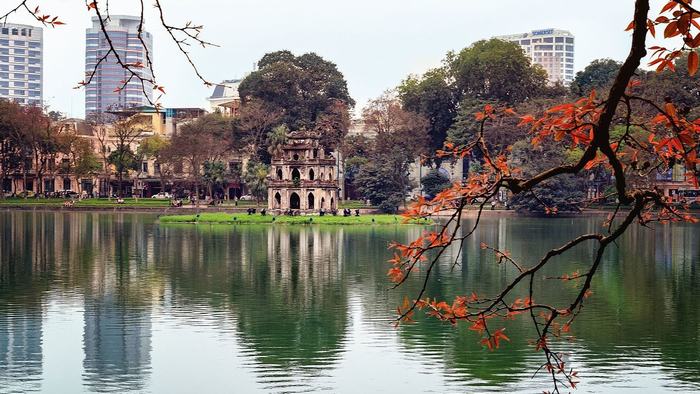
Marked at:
<point>375,43</point>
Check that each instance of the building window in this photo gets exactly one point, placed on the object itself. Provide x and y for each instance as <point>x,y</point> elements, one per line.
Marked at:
<point>20,43</point>
<point>144,166</point>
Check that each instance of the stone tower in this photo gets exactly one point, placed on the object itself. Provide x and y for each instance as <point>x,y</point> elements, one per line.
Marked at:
<point>303,176</point>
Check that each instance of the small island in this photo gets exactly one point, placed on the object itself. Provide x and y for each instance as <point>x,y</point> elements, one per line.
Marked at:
<point>242,218</point>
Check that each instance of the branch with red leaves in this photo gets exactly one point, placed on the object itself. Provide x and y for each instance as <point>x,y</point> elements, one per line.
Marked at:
<point>585,124</point>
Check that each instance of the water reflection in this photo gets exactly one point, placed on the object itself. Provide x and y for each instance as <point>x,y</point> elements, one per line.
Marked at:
<point>295,309</point>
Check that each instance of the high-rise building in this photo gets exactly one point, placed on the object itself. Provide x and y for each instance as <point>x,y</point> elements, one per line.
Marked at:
<point>21,63</point>
<point>102,94</point>
<point>550,48</point>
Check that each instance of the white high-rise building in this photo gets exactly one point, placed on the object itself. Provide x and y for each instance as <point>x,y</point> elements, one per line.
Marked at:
<point>550,48</point>
<point>21,63</point>
<point>101,94</point>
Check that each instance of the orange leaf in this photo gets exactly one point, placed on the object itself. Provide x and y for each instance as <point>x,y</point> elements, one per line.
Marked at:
<point>671,30</point>
<point>692,63</point>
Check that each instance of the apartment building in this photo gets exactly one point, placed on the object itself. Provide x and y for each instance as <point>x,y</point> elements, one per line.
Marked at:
<point>102,94</point>
<point>21,63</point>
<point>552,49</point>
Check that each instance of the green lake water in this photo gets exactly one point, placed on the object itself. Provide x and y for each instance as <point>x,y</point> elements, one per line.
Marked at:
<point>114,302</point>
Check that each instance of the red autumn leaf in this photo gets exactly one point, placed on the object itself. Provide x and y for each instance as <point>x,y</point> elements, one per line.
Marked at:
<point>692,63</point>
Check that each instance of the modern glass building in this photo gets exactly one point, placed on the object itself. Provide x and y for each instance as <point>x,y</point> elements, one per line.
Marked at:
<point>101,94</point>
<point>550,48</point>
<point>21,63</point>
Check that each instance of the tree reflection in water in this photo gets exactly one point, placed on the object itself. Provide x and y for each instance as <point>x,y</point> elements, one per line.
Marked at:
<point>300,301</point>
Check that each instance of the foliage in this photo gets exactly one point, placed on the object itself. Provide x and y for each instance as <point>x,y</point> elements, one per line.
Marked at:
<point>487,71</point>
<point>381,187</point>
<point>256,179</point>
<point>497,71</point>
<point>564,193</point>
<point>307,90</point>
<point>599,74</point>
<point>126,133</point>
<point>400,138</point>
<point>214,174</point>
<point>204,139</point>
<point>568,140</point>
<point>432,96</point>
<point>434,182</point>
<point>276,139</point>
<point>255,122</point>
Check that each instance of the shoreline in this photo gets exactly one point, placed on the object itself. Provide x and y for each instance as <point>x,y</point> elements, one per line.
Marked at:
<point>187,210</point>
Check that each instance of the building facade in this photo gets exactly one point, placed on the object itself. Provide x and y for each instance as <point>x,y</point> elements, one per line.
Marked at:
<point>21,63</point>
<point>225,98</point>
<point>552,49</point>
<point>303,176</point>
<point>102,94</point>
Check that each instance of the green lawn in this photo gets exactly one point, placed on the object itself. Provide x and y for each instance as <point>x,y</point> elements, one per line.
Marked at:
<point>224,218</point>
<point>354,204</point>
<point>90,202</point>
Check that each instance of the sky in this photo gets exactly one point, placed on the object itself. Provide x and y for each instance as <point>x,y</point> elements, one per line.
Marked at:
<point>375,43</point>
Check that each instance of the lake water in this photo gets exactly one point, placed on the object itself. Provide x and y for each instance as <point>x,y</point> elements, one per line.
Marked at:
<point>112,302</point>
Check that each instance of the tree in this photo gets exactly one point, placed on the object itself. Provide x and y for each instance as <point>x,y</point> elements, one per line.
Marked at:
<point>676,86</point>
<point>276,139</point>
<point>199,141</point>
<point>157,148</point>
<point>255,121</point>
<point>564,193</point>
<point>214,174</point>
<point>355,152</point>
<point>256,180</point>
<point>82,160</point>
<point>434,182</point>
<point>125,134</point>
<point>497,71</point>
<point>487,71</point>
<point>11,141</point>
<point>585,125</point>
<point>598,74</point>
<point>433,97</point>
<point>379,184</point>
<point>400,139</point>
<point>308,90</point>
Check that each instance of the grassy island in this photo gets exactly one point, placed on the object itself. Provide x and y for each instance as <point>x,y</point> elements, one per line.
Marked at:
<point>242,218</point>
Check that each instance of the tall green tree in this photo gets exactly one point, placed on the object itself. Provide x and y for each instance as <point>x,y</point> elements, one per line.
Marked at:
<point>599,74</point>
<point>308,90</point>
<point>256,179</point>
<point>401,137</point>
<point>432,96</point>
<point>157,147</point>
<point>213,175</point>
<point>497,71</point>
<point>125,134</point>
